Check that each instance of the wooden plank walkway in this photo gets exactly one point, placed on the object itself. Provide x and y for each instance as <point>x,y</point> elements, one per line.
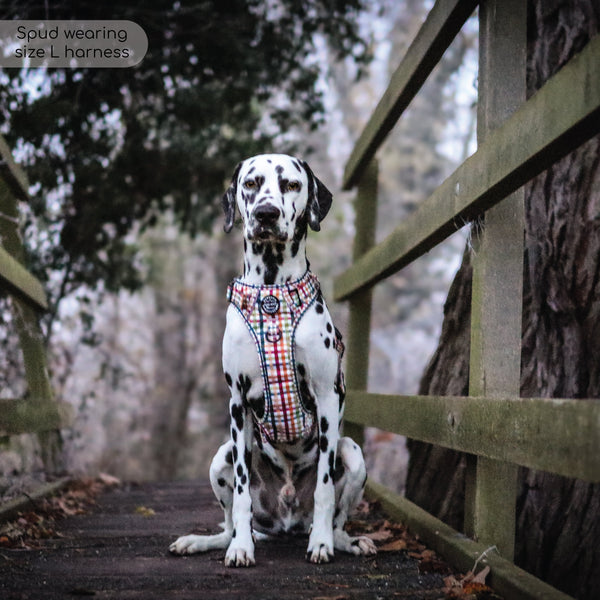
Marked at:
<point>119,550</point>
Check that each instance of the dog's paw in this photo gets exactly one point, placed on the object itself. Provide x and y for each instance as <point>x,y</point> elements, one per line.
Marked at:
<point>363,545</point>
<point>239,557</point>
<point>322,553</point>
<point>320,545</point>
<point>187,544</point>
<point>190,544</point>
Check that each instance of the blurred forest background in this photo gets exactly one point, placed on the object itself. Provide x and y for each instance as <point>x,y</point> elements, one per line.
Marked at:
<point>127,169</point>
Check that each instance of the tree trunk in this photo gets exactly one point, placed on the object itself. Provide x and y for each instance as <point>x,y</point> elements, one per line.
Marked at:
<point>558,519</point>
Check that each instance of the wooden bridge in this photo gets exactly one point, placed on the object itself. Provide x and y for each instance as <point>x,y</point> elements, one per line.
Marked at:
<point>118,549</point>
<point>517,140</point>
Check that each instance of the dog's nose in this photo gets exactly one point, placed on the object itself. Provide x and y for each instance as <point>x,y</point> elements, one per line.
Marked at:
<point>267,214</point>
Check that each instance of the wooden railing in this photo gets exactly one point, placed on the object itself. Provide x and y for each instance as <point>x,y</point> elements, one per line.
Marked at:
<point>38,412</point>
<point>517,140</point>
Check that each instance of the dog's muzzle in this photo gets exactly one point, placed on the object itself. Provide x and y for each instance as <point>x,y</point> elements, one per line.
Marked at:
<point>265,219</point>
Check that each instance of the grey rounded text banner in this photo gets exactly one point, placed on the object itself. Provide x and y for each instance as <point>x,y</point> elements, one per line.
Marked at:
<point>71,44</point>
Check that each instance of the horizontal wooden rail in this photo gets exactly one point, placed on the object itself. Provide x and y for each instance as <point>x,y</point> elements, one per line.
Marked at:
<point>437,33</point>
<point>31,416</point>
<point>14,275</point>
<point>543,130</point>
<point>557,435</point>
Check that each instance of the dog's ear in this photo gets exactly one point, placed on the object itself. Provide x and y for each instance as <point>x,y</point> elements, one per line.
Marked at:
<point>228,201</point>
<point>319,199</point>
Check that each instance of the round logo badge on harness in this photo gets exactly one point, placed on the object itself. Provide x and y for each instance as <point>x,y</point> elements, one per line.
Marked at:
<point>269,305</point>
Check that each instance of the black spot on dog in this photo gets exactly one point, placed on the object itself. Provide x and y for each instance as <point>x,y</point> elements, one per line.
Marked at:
<point>329,328</point>
<point>258,437</point>
<point>258,406</point>
<point>244,479</point>
<point>264,522</point>
<point>221,482</point>
<point>248,459</point>
<point>297,528</point>
<point>297,165</point>
<point>234,533</point>
<point>234,452</point>
<point>240,490</point>
<point>326,478</point>
<point>272,258</point>
<point>234,434</point>
<point>324,424</point>
<point>229,457</point>
<point>240,470</point>
<point>237,414</point>
<point>331,463</point>
<point>309,444</point>
<point>308,400</point>
<point>327,343</point>
<point>324,443</point>
<point>300,232</point>
<point>283,184</point>
<point>301,369</point>
<point>243,385</point>
<point>339,469</point>
<point>228,379</point>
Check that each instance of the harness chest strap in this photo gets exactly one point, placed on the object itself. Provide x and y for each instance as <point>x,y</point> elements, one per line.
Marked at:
<point>272,314</point>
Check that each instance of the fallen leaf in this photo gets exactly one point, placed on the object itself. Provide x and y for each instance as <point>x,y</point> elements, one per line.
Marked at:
<point>393,546</point>
<point>109,480</point>
<point>379,536</point>
<point>144,511</point>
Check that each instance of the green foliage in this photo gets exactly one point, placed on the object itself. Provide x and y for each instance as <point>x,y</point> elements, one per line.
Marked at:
<point>109,150</point>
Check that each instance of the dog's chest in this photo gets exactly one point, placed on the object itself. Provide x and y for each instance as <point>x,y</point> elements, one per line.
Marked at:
<point>272,314</point>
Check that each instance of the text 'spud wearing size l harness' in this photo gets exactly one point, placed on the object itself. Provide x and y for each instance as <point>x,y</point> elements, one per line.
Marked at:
<point>272,314</point>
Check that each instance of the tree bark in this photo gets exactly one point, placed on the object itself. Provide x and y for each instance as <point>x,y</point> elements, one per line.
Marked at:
<point>558,519</point>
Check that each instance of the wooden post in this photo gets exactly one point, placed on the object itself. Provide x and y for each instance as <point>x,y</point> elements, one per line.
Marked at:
<point>497,275</point>
<point>359,325</point>
<point>39,389</point>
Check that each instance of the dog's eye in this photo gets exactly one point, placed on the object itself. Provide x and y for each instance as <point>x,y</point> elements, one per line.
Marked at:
<point>294,186</point>
<point>249,184</point>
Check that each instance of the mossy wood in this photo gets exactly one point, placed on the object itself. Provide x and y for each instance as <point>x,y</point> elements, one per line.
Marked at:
<point>27,416</point>
<point>37,412</point>
<point>441,27</point>
<point>543,130</point>
<point>517,140</point>
<point>506,579</point>
<point>557,435</point>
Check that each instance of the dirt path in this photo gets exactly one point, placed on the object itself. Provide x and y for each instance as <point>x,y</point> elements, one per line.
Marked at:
<point>119,550</point>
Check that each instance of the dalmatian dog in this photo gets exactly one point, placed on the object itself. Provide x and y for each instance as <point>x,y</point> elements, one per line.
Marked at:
<point>285,469</point>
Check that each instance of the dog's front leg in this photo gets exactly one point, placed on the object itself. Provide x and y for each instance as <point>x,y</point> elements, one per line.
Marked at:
<point>241,549</point>
<point>320,543</point>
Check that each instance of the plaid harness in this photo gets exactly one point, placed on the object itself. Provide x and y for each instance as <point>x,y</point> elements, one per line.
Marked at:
<point>272,314</point>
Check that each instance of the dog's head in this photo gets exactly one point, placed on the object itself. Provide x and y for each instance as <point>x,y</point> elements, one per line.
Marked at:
<point>277,196</point>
